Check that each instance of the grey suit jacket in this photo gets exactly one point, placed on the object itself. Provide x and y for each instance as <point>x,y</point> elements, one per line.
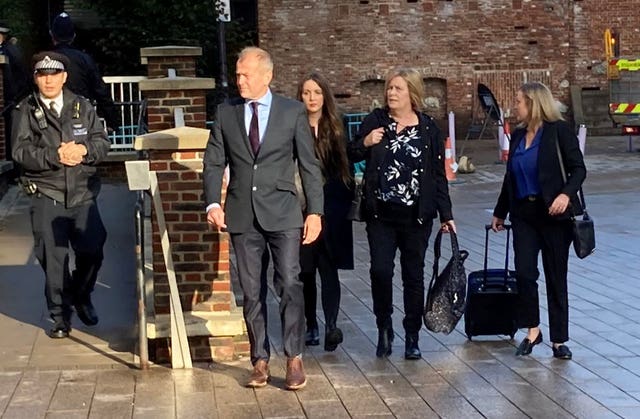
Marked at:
<point>263,186</point>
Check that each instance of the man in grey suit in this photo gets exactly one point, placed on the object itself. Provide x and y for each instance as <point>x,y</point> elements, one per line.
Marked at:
<point>262,137</point>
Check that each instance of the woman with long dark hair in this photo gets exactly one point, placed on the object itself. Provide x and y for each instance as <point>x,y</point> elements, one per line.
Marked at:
<point>334,248</point>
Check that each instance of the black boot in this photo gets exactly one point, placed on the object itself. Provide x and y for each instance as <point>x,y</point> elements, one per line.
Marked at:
<point>312,337</point>
<point>411,349</point>
<point>332,338</point>
<point>385,339</point>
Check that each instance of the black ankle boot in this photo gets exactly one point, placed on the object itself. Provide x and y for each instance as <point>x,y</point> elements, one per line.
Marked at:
<point>411,349</point>
<point>385,339</point>
<point>332,338</point>
<point>312,337</point>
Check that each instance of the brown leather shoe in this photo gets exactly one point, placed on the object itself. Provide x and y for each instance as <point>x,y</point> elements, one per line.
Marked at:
<point>260,375</point>
<point>295,374</point>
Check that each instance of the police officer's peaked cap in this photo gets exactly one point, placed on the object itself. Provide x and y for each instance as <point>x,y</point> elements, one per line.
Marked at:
<point>62,28</point>
<point>49,62</point>
<point>4,28</point>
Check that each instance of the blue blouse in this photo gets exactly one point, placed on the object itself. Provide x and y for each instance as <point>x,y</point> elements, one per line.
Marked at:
<point>524,166</point>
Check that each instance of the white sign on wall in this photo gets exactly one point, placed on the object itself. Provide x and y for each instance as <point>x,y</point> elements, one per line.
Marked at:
<point>225,11</point>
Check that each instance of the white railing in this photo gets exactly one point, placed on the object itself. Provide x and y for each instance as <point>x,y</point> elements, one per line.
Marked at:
<point>128,100</point>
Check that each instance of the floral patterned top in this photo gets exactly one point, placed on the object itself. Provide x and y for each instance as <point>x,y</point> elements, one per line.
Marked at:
<point>399,182</point>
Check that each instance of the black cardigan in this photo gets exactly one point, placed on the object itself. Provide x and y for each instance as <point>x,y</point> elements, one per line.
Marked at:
<point>434,189</point>
<point>549,174</point>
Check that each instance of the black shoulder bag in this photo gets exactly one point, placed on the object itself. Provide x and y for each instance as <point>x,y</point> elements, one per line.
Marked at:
<point>447,293</point>
<point>584,235</point>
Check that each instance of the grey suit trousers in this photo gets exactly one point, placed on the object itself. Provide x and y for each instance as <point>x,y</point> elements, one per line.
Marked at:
<point>284,247</point>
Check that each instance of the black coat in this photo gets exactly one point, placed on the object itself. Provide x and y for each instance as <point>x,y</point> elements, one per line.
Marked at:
<point>434,188</point>
<point>337,231</point>
<point>16,78</point>
<point>84,79</point>
<point>549,174</point>
<point>36,149</point>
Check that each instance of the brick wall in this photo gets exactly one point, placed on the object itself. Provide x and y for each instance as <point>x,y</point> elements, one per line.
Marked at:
<point>200,255</point>
<point>501,43</point>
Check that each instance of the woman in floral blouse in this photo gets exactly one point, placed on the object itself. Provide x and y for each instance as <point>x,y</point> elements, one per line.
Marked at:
<point>405,188</point>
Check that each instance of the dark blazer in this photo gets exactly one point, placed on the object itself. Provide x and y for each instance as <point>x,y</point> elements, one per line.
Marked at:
<point>549,174</point>
<point>263,186</point>
<point>434,188</point>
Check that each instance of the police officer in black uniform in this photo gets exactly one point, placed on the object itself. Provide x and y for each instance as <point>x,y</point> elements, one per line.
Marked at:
<point>83,78</point>
<point>58,140</point>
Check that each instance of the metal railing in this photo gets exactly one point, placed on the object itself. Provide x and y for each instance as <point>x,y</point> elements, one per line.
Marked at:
<point>131,107</point>
<point>352,123</point>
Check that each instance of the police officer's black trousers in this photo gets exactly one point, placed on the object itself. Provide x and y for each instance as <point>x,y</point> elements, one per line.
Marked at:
<point>54,229</point>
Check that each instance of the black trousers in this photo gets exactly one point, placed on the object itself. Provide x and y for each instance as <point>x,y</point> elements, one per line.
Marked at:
<point>318,257</point>
<point>385,237</point>
<point>54,229</point>
<point>534,231</point>
<point>284,247</point>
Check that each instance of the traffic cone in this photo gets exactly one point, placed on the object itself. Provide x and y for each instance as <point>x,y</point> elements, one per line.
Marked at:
<point>450,166</point>
<point>504,156</point>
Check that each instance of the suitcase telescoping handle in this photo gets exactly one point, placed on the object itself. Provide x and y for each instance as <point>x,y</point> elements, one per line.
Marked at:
<point>487,227</point>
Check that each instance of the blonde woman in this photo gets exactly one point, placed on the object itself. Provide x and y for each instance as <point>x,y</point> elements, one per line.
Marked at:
<point>405,188</point>
<point>540,204</point>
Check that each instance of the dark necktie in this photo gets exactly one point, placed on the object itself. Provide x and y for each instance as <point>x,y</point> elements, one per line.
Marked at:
<point>52,108</point>
<point>254,133</point>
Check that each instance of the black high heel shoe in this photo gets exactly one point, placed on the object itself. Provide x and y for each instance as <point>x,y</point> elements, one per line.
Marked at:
<point>385,339</point>
<point>526,346</point>
<point>562,352</point>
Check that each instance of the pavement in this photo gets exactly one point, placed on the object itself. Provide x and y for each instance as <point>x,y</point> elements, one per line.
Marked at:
<point>94,373</point>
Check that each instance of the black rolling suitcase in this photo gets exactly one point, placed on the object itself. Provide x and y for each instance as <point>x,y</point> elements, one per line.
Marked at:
<point>491,298</point>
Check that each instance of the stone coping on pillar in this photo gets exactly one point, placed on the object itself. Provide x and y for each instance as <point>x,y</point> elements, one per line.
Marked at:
<point>181,138</point>
<point>3,59</point>
<point>177,83</point>
<point>171,51</point>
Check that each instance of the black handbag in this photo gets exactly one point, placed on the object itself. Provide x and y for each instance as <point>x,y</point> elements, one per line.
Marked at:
<point>356,211</point>
<point>447,293</point>
<point>584,235</point>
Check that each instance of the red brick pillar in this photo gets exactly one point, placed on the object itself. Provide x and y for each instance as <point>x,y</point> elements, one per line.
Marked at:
<point>215,326</point>
<point>164,94</point>
<point>160,59</point>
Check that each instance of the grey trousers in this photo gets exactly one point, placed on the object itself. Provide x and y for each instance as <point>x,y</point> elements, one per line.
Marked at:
<point>284,247</point>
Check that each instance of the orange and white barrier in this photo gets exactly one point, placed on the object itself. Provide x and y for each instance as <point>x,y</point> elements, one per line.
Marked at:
<point>504,144</point>
<point>450,165</point>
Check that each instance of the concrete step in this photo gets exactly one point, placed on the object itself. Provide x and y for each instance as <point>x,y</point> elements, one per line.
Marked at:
<point>199,323</point>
